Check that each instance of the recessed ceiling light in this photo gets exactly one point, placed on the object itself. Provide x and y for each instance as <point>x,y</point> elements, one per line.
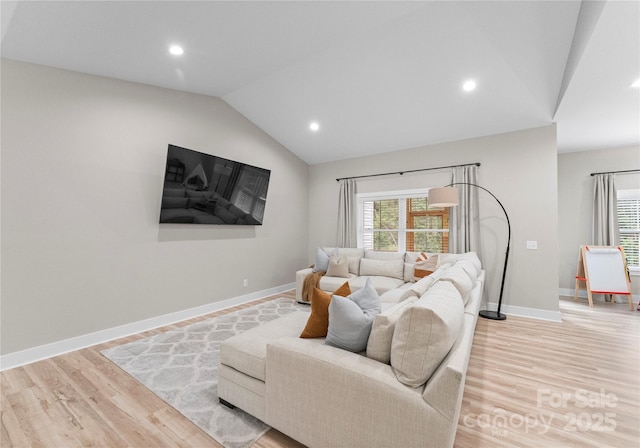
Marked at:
<point>314,126</point>
<point>636,84</point>
<point>176,50</point>
<point>469,85</point>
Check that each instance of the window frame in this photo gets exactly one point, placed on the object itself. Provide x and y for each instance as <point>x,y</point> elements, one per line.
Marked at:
<point>403,215</point>
<point>629,194</point>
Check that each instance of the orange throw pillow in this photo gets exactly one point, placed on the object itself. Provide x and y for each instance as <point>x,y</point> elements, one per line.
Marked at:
<point>424,266</point>
<point>318,322</point>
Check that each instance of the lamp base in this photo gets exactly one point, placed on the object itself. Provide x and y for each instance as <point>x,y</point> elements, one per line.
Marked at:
<point>494,315</point>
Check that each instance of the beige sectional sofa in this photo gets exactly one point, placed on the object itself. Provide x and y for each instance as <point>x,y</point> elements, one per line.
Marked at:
<point>404,390</point>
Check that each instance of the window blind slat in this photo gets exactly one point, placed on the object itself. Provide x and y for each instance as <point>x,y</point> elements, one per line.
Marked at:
<point>629,225</point>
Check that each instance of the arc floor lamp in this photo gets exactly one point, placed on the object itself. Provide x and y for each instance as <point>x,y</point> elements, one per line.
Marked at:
<point>447,196</point>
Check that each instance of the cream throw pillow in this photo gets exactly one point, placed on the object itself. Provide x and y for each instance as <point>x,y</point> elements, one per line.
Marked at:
<point>379,344</point>
<point>338,266</point>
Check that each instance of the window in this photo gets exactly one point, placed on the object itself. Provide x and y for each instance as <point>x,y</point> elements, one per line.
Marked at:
<point>250,193</point>
<point>629,224</point>
<point>401,221</point>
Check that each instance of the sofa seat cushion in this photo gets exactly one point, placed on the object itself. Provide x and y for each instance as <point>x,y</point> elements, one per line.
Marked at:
<point>425,332</point>
<point>381,284</point>
<point>247,351</point>
<point>331,284</point>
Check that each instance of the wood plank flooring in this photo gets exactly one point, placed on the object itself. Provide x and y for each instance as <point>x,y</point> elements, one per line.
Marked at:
<point>529,383</point>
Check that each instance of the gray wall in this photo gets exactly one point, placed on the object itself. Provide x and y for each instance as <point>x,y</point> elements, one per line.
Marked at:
<point>520,168</point>
<point>83,162</point>
<point>82,165</point>
<point>575,201</point>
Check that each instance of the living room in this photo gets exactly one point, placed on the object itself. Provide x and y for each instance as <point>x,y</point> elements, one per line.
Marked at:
<point>85,260</point>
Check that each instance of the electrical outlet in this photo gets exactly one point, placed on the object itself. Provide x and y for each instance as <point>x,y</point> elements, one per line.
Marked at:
<point>245,282</point>
<point>532,245</point>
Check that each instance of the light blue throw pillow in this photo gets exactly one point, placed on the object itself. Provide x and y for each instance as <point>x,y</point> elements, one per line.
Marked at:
<point>322,260</point>
<point>350,318</point>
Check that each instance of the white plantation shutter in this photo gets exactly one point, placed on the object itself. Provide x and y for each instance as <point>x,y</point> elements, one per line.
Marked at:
<point>367,224</point>
<point>400,221</point>
<point>629,225</point>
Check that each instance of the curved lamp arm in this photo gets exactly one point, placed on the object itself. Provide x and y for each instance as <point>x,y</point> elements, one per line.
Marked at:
<point>496,315</point>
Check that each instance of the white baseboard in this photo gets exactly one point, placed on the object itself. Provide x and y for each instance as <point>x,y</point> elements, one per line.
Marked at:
<point>28,356</point>
<point>532,313</point>
<point>583,294</point>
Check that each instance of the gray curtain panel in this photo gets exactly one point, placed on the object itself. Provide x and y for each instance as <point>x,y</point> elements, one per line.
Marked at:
<point>346,214</point>
<point>464,224</point>
<point>605,231</point>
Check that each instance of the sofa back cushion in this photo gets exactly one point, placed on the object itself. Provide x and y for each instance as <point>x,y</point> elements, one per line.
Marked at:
<point>470,256</point>
<point>174,202</point>
<point>382,255</point>
<point>425,332</point>
<point>174,193</point>
<point>445,387</point>
<point>353,256</point>
<point>469,267</point>
<point>379,344</point>
<point>422,286</point>
<point>460,279</point>
<point>383,268</point>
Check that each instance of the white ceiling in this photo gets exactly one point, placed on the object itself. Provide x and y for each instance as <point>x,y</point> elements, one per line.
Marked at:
<point>377,76</point>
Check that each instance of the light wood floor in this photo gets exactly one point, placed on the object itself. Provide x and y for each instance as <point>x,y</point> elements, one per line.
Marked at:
<point>530,383</point>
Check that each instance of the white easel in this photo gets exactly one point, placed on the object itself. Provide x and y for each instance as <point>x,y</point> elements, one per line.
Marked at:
<point>603,270</point>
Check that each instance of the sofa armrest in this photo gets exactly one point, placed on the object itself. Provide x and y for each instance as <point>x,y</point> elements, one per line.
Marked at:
<point>311,387</point>
<point>300,276</point>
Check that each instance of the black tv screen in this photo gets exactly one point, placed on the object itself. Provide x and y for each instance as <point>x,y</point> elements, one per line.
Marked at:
<point>201,188</point>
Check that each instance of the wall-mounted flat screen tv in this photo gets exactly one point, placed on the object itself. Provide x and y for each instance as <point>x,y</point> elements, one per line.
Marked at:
<point>201,188</point>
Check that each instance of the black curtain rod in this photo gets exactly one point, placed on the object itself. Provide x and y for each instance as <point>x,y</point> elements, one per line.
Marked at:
<point>407,171</point>
<point>617,172</point>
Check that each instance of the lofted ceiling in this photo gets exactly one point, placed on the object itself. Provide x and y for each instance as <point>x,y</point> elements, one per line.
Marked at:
<point>376,76</point>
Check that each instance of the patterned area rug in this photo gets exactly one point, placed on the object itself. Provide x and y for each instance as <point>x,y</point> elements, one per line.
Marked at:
<point>181,367</point>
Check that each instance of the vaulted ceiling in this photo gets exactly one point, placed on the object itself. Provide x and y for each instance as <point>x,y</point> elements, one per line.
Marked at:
<point>376,76</point>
